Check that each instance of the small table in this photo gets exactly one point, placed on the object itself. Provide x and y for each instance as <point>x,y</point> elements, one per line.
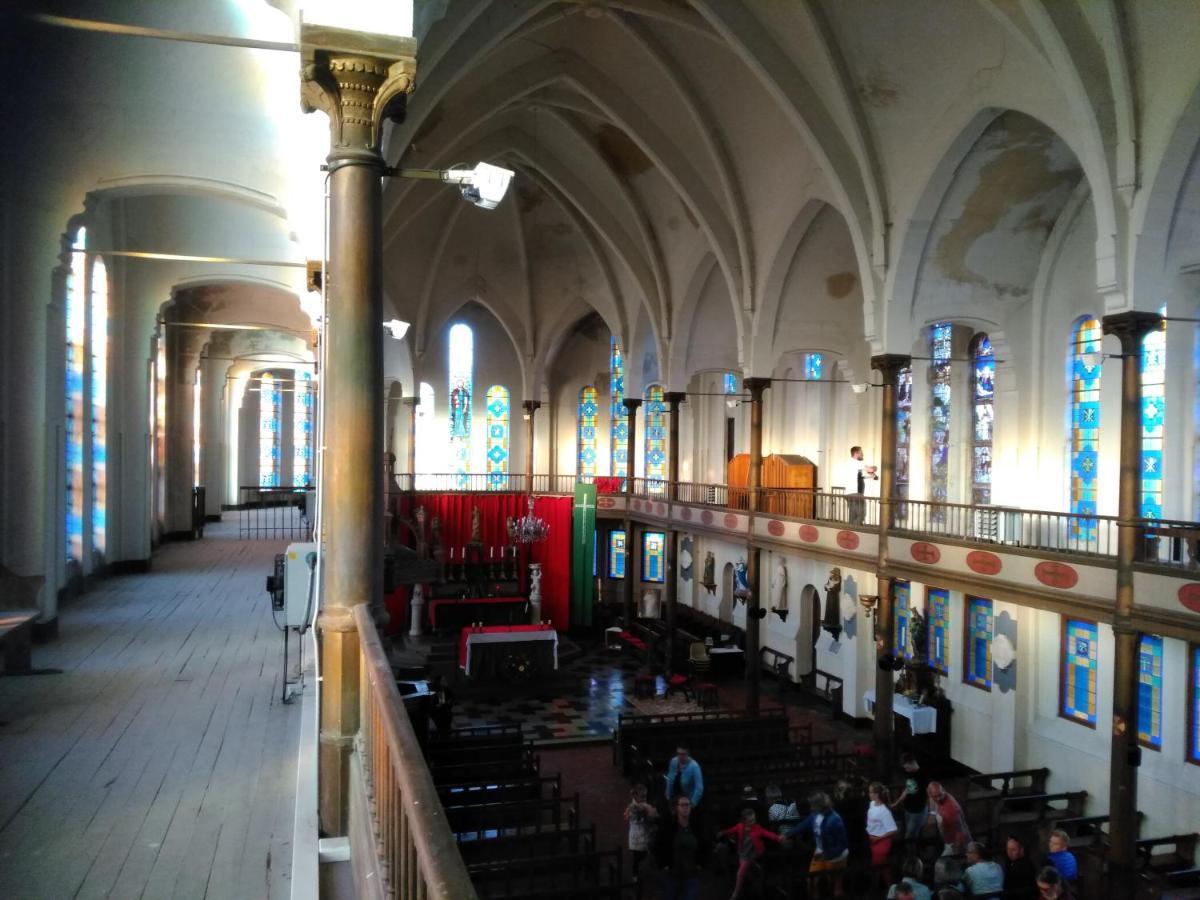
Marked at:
<point>489,651</point>
<point>725,661</point>
<point>923,718</point>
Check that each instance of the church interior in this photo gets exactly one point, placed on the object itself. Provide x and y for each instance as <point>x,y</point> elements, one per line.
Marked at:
<point>425,421</point>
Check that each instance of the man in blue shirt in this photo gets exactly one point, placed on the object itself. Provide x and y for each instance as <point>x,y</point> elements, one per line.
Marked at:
<point>684,777</point>
<point>829,835</point>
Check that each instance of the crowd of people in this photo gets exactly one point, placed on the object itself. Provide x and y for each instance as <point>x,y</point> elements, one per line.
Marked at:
<point>850,826</point>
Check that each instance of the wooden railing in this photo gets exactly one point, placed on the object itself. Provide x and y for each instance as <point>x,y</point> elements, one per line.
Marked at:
<point>417,856</point>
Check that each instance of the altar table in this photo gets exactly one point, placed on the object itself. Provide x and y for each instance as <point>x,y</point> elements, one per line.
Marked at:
<point>923,718</point>
<point>459,612</point>
<point>487,651</point>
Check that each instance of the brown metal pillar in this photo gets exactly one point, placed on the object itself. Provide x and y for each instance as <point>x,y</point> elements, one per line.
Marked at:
<point>531,407</point>
<point>888,365</point>
<point>755,386</point>
<point>412,403</point>
<point>1130,328</point>
<point>631,408</point>
<point>356,85</point>
<point>673,398</point>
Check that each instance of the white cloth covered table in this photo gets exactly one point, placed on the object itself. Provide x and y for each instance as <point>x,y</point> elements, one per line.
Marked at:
<point>517,634</point>
<point>923,718</point>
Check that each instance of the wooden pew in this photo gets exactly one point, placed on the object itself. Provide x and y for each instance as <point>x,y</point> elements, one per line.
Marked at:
<point>1027,812</point>
<point>825,687</point>
<point>528,765</point>
<point>543,787</point>
<point>479,821</point>
<point>573,875</point>
<point>658,735</point>
<point>984,789</point>
<point>1167,854</point>
<point>531,841</point>
<point>777,665</point>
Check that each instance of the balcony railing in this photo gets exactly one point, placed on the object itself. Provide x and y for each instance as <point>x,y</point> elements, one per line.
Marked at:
<point>416,855</point>
<point>275,513</point>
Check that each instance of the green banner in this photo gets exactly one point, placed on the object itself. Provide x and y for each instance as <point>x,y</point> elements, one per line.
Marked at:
<point>583,555</point>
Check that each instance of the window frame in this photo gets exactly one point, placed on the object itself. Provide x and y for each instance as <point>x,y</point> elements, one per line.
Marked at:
<point>611,555</point>
<point>942,666</point>
<point>646,536</point>
<point>1150,745</point>
<point>1191,746</point>
<point>969,601</point>
<point>1062,672</point>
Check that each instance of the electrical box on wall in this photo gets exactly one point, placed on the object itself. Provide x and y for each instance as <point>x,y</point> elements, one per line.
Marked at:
<point>299,588</point>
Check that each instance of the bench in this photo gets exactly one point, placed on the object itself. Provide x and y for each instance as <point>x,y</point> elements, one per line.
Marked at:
<point>658,733</point>
<point>1028,811</point>
<point>16,642</point>
<point>550,840</point>
<point>824,687</point>
<point>509,816</point>
<point>569,874</point>
<point>528,766</point>
<point>777,664</point>
<point>538,787</point>
<point>1180,853</point>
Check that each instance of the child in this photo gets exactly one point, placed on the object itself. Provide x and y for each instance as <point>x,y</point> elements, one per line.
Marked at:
<point>748,837</point>
<point>638,814</point>
<point>881,826</point>
<point>1062,858</point>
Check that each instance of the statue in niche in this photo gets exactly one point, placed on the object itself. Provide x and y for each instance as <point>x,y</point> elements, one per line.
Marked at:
<point>476,527</point>
<point>710,573</point>
<point>685,559</point>
<point>832,620</point>
<point>741,581</point>
<point>419,529</point>
<point>918,634</point>
<point>779,588</point>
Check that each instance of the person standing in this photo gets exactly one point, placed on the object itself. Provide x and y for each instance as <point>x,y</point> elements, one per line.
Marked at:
<point>639,814</point>
<point>684,777</point>
<point>748,837</point>
<point>442,711</point>
<point>829,835</point>
<point>681,852</point>
<point>881,827</point>
<point>913,800</point>
<point>854,478</point>
<point>952,824</point>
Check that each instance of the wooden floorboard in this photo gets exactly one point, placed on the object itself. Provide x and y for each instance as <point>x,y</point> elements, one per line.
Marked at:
<point>161,763</point>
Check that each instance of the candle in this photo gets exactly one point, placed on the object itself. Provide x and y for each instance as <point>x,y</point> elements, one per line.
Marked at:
<point>491,552</point>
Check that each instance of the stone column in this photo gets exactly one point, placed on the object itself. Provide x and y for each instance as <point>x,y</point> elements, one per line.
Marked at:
<point>631,408</point>
<point>888,365</point>
<point>1130,328</point>
<point>183,356</point>
<point>412,403</point>
<point>755,386</point>
<point>531,407</point>
<point>212,423</point>
<point>358,86</point>
<point>674,400</point>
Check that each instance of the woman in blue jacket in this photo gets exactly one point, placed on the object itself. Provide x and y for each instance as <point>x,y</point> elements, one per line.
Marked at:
<point>829,835</point>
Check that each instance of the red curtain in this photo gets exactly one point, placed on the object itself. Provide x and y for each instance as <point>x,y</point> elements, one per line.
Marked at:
<point>555,556</point>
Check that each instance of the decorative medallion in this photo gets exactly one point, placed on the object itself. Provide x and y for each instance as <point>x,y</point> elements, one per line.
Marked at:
<point>1003,652</point>
<point>1056,575</point>
<point>775,527</point>
<point>686,513</point>
<point>847,540</point>
<point>982,562</point>
<point>809,533</point>
<point>661,509</point>
<point>1189,596</point>
<point>605,503</point>
<point>924,552</point>
<point>731,521</point>
<point>706,517</point>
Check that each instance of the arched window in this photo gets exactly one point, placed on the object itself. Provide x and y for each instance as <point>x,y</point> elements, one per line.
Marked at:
<point>983,377</point>
<point>901,599</point>
<point>619,417</point>
<point>730,383</point>
<point>903,430</point>
<point>656,437</point>
<point>98,297</point>
<point>76,321</point>
<point>977,649</point>
<point>1077,685</point>
<point>269,402</point>
<point>302,429</point>
<point>937,608</point>
<point>587,432</point>
<point>1085,425</point>
<point>425,433</point>
<point>939,418</point>
<point>1154,372</point>
<point>497,437</point>
<point>461,364</point>
<point>1150,689</point>
<point>813,366</point>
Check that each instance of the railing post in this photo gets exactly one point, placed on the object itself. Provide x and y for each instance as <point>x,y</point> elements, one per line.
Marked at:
<point>674,399</point>
<point>531,407</point>
<point>889,366</point>
<point>412,403</point>
<point>756,387</point>
<point>631,408</point>
<point>1130,328</point>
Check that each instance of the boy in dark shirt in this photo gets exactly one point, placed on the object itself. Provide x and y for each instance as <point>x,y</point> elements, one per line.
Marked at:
<point>912,799</point>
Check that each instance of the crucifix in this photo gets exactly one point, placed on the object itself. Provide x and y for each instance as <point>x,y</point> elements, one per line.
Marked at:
<point>585,506</point>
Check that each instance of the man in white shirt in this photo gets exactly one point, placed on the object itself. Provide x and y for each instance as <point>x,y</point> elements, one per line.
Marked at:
<point>854,478</point>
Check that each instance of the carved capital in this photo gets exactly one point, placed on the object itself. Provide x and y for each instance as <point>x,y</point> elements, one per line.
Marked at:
<point>531,406</point>
<point>1131,327</point>
<point>756,386</point>
<point>889,365</point>
<point>674,398</point>
<point>357,80</point>
<point>631,405</point>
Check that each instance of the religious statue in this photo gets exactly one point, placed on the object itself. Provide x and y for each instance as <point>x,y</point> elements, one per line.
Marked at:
<point>918,634</point>
<point>832,620</point>
<point>476,527</point>
<point>741,581</point>
<point>460,411</point>
<point>535,593</point>
<point>435,538</point>
<point>419,515</point>
<point>779,588</point>
<point>685,559</point>
<point>710,573</point>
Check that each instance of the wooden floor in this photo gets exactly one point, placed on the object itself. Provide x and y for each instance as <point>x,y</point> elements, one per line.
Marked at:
<point>161,763</point>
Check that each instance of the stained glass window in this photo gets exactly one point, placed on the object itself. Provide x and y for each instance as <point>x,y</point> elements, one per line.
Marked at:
<point>1150,688</point>
<point>302,428</point>
<point>901,596</point>
<point>1193,737</point>
<point>616,554</point>
<point>938,607</point>
<point>587,432</point>
<point>903,430</point>
<point>160,423</point>
<point>497,437</point>
<point>653,551</point>
<point>983,387</point>
<point>656,437</point>
<point>269,398</point>
<point>461,367</point>
<point>939,419</point>
<point>1085,425</point>
<point>1080,653</point>
<point>619,417</point>
<point>99,384</point>
<point>1154,372</point>
<point>197,405</point>
<point>813,365</point>
<point>731,385</point>
<point>76,320</point>
<point>977,667</point>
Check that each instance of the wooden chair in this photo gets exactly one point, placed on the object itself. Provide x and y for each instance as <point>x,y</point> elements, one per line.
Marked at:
<point>698,659</point>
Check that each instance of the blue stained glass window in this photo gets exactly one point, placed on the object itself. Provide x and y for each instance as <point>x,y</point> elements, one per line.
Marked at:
<point>1080,660</point>
<point>1154,372</point>
<point>302,428</point>
<point>461,369</point>
<point>903,430</point>
<point>616,554</point>
<point>813,366</point>
<point>901,598</point>
<point>977,668</point>
<point>618,416</point>
<point>497,436</point>
<point>1150,688</point>
<point>731,383</point>
<point>99,404</point>
<point>653,553</point>
<point>1085,426</point>
<point>76,322</point>
<point>656,436</point>
<point>269,402</point>
<point>1193,737</point>
<point>587,432</point>
<point>939,419</point>
<point>983,387</point>
<point>938,605</point>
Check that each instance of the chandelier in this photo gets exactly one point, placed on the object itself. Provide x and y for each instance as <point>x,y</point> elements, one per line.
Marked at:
<point>528,529</point>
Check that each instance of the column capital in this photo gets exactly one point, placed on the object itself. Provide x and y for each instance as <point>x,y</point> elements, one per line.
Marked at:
<point>631,404</point>
<point>675,398</point>
<point>358,80</point>
<point>531,406</point>
<point>411,401</point>
<point>756,386</point>
<point>889,365</point>
<point>1130,327</point>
